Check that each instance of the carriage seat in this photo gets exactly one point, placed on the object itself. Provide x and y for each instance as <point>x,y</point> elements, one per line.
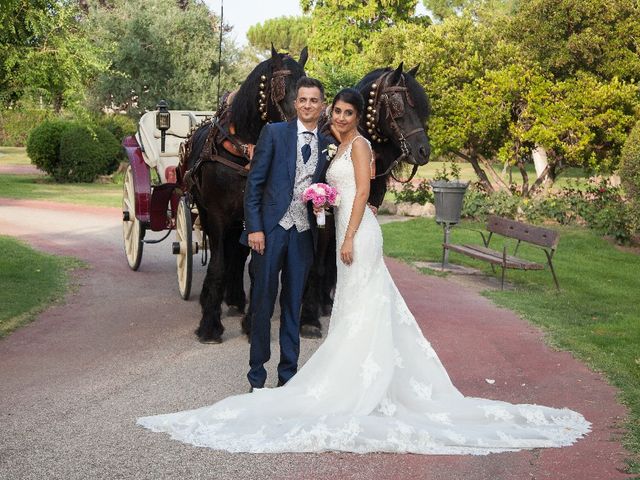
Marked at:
<point>149,137</point>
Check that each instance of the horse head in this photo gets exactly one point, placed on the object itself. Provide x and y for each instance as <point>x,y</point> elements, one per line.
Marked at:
<point>397,111</point>
<point>268,94</point>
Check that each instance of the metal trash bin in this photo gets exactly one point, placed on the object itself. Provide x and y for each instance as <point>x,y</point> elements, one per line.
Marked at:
<point>448,198</point>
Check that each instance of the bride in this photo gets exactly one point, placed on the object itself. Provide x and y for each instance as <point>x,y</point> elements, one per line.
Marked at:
<point>375,384</point>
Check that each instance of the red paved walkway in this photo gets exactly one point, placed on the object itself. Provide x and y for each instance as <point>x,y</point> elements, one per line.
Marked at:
<point>123,346</point>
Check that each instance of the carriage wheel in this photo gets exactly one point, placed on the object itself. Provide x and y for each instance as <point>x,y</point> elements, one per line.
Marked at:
<point>184,248</point>
<point>132,229</point>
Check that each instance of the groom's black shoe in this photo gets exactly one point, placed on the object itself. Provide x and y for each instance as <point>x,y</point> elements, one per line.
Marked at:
<point>281,382</point>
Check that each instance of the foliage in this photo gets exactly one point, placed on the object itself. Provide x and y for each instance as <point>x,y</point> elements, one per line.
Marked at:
<point>335,78</point>
<point>341,28</point>
<point>44,54</point>
<point>569,36</point>
<point>30,282</point>
<point>15,125</point>
<point>284,33</point>
<point>441,9</point>
<point>119,126</point>
<point>448,174</point>
<point>491,100</point>
<point>159,50</point>
<point>594,315</point>
<point>630,168</point>
<point>600,206</point>
<point>420,193</point>
<point>86,152</point>
<point>71,151</point>
<point>43,145</point>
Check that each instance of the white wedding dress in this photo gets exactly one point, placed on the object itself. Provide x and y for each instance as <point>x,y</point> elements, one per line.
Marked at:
<point>374,385</point>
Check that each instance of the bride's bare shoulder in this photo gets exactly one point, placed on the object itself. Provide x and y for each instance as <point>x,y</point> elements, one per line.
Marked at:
<point>361,148</point>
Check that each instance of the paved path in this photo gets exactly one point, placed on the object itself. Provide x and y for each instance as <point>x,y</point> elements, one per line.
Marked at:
<point>73,382</point>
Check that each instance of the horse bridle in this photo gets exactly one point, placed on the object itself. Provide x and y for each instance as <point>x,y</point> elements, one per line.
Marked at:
<point>275,90</point>
<point>391,97</point>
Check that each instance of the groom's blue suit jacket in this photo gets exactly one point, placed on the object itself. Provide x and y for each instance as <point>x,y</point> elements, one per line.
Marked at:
<point>269,188</point>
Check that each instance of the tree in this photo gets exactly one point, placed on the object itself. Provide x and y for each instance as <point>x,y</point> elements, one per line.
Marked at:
<point>493,101</point>
<point>568,36</point>
<point>341,29</point>
<point>285,33</point>
<point>44,55</point>
<point>160,50</point>
<point>441,9</point>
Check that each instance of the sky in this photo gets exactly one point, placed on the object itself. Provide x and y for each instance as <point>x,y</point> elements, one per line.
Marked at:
<point>244,13</point>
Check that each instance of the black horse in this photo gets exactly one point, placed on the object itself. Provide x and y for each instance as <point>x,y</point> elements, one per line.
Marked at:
<point>213,168</point>
<point>397,112</point>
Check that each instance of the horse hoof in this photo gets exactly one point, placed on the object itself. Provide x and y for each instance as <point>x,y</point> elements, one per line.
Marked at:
<point>310,331</point>
<point>210,340</point>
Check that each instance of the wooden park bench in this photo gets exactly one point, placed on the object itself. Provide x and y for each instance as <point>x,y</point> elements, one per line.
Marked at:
<point>544,238</point>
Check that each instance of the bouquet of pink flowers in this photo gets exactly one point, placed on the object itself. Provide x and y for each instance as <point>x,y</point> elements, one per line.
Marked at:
<point>321,195</point>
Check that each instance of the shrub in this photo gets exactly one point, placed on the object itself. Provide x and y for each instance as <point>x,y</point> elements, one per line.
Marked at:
<point>119,126</point>
<point>421,193</point>
<point>86,152</point>
<point>630,168</point>
<point>15,125</point>
<point>601,206</point>
<point>478,204</point>
<point>43,145</point>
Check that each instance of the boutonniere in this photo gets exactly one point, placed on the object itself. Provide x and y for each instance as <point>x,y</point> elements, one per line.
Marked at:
<point>330,151</point>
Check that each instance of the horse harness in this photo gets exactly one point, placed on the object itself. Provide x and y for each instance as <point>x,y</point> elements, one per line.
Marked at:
<point>392,98</point>
<point>275,90</point>
<point>220,136</point>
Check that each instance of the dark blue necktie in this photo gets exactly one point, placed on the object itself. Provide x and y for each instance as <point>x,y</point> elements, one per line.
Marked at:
<point>306,148</point>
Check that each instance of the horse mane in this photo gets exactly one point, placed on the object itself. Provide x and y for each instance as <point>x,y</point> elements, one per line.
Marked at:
<point>244,108</point>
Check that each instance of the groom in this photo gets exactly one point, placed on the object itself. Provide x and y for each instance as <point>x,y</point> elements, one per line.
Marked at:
<point>280,228</point>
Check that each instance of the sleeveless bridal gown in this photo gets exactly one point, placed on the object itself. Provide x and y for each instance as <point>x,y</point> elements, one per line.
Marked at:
<point>374,385</point>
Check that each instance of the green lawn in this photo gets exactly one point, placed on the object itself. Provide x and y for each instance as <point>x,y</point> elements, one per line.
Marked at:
<point>35,187</point>
<point>14,156</point>
<point>595,315</point>
<point>30,282</point>
<point>467,173</point>
<point>42,187</point>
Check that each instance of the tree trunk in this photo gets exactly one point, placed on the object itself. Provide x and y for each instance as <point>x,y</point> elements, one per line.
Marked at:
<point>540,161</point>
<point>525,178</point>
<point>501,185</point>
<point>482,176</point>
<point>58,100</point>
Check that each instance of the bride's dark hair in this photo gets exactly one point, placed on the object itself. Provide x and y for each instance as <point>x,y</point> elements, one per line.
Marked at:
<point>352,97</point>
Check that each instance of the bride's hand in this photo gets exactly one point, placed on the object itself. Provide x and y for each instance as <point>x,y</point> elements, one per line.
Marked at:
<point>346,251</point>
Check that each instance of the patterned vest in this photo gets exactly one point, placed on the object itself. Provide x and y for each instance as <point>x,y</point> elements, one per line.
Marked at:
<point>297,212</point>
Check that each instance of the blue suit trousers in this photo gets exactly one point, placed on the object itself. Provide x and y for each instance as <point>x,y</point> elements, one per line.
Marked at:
<point>288,254</point>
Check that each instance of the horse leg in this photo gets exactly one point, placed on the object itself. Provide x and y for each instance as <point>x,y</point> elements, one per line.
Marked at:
<point>210,329</point>
<point>235,259</point>
<point>310,326</point>
<point>246,320</point>
<point>320,283</point>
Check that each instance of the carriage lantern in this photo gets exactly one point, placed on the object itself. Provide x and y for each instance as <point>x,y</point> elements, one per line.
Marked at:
<point>163,121</point>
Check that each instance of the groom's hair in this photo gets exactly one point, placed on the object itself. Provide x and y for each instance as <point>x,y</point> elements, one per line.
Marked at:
<point>308,82</point>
